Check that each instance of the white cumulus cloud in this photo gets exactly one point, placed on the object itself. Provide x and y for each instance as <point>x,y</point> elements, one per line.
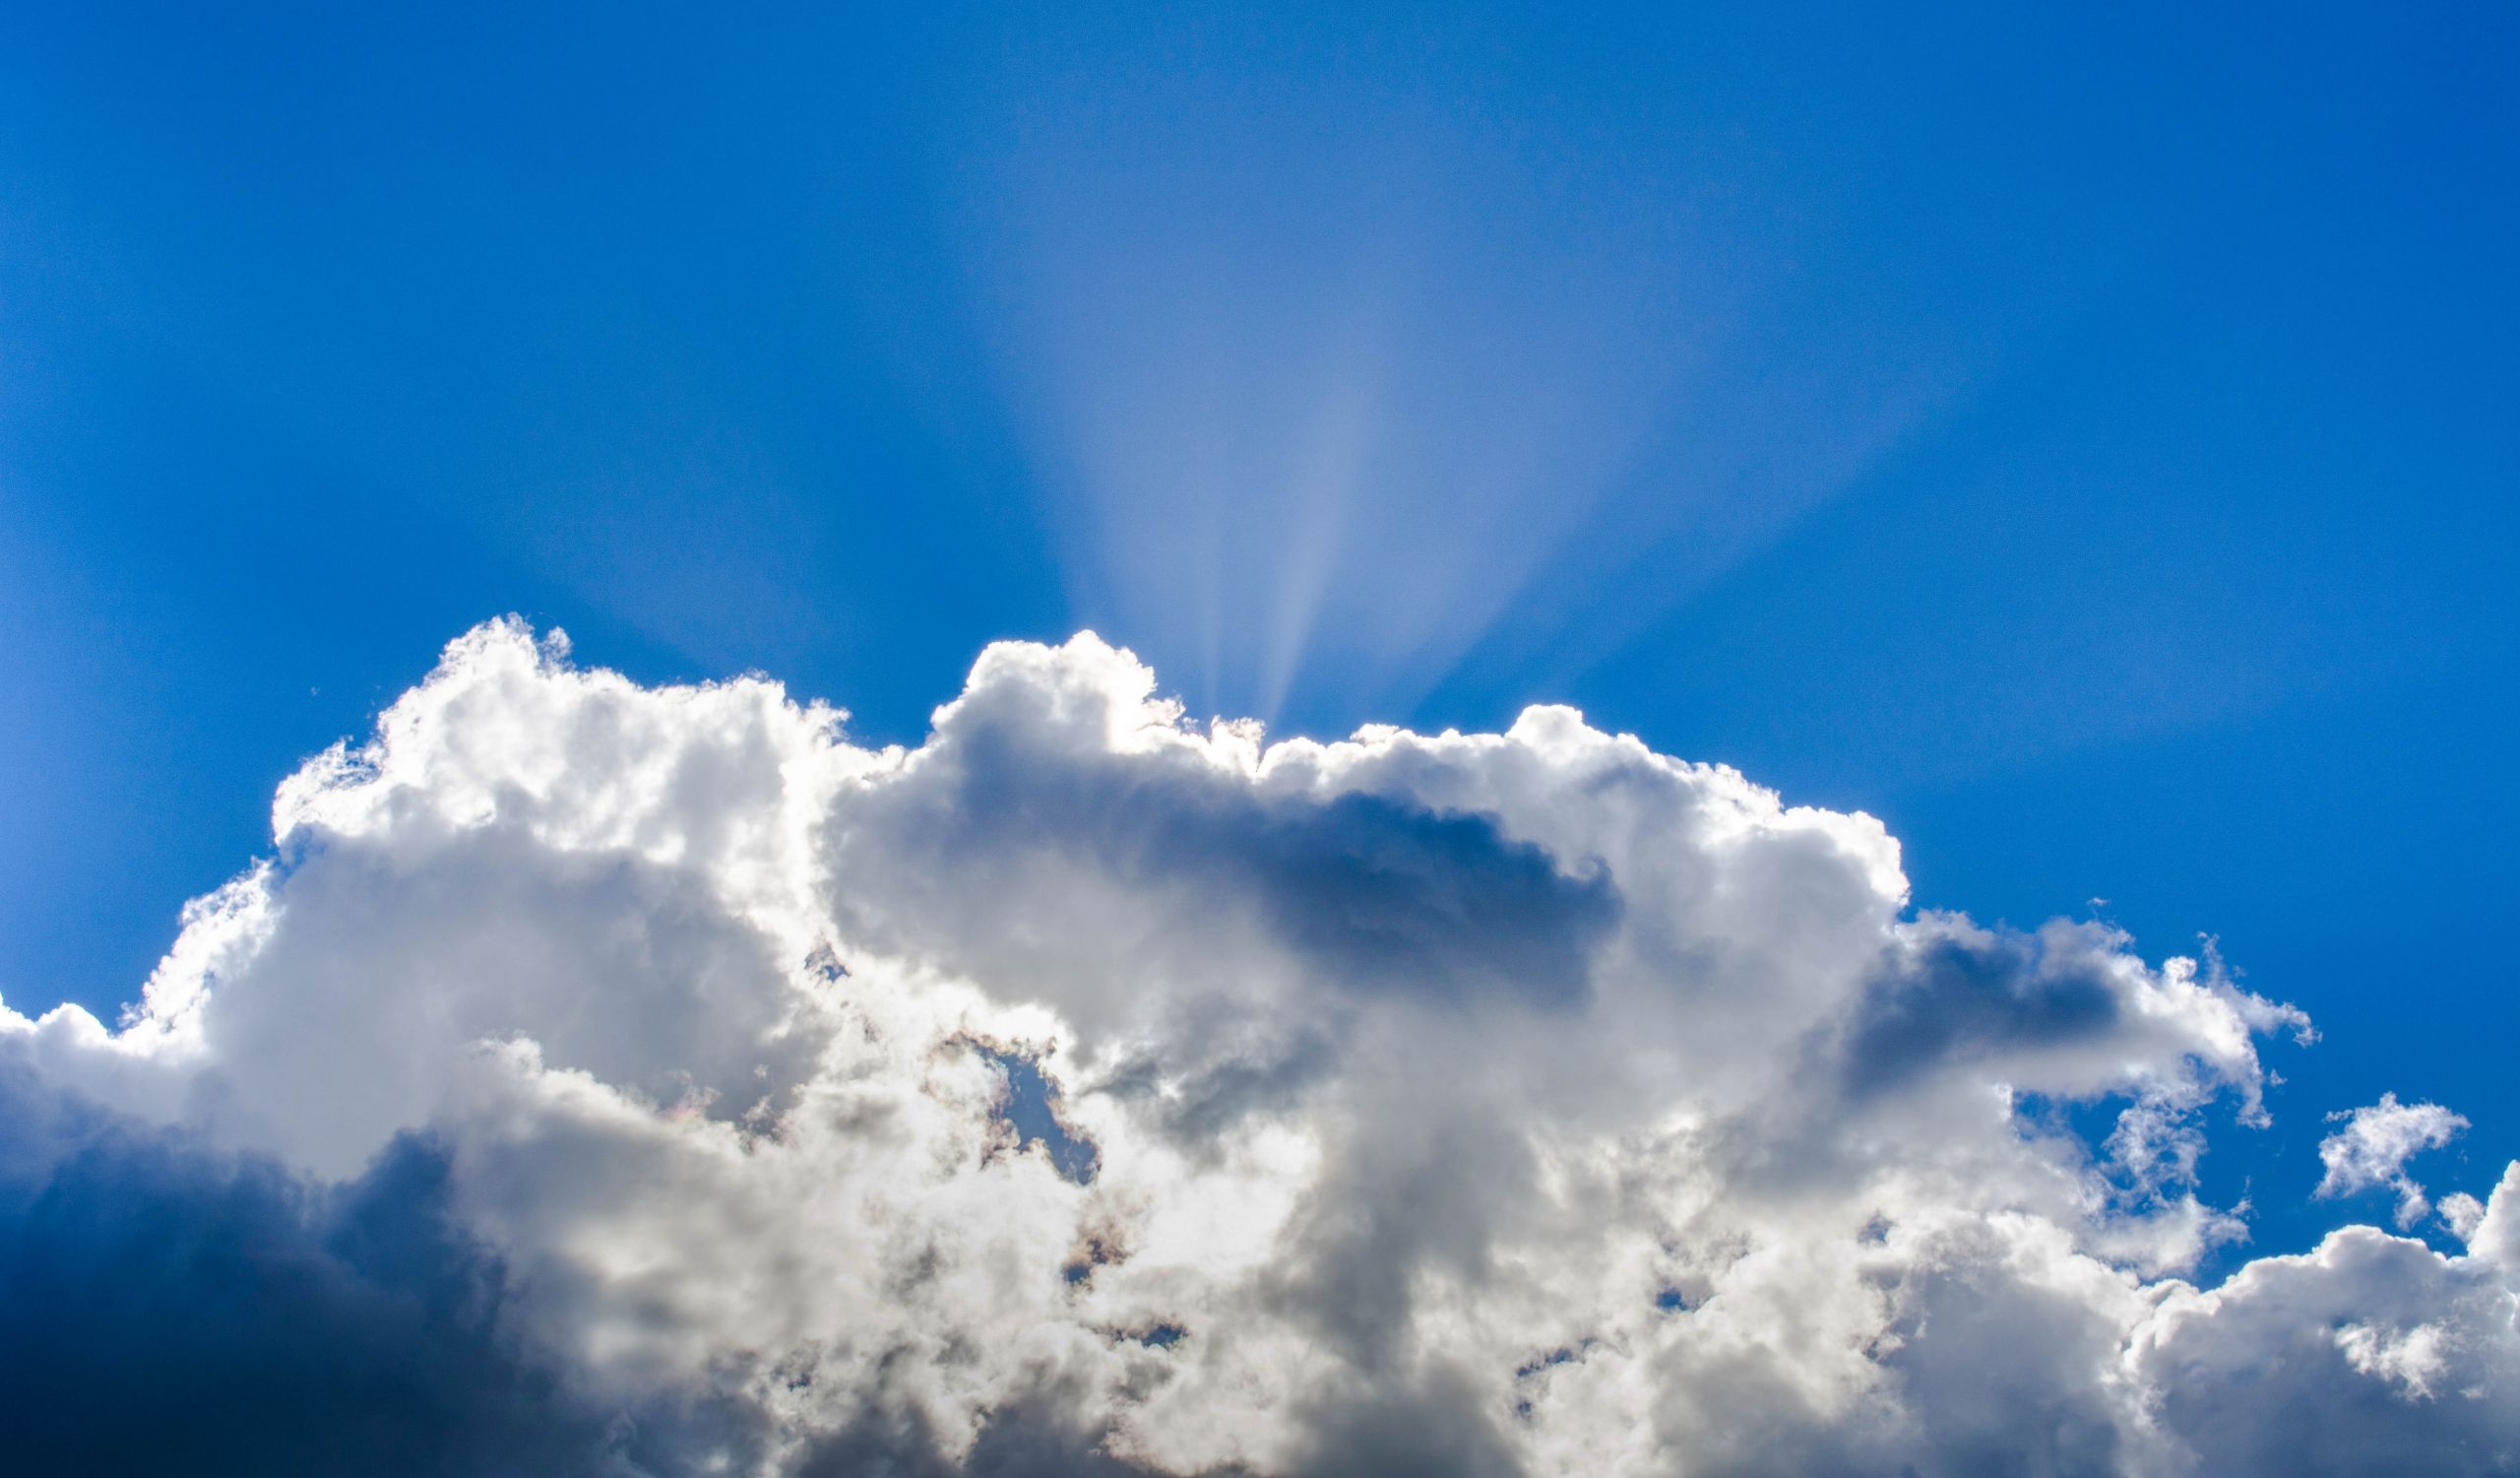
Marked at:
<point>653,1080</point>
<point>2370,1152</point>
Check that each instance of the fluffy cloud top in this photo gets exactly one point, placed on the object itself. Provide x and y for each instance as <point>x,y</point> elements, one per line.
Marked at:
<point>613,1080</point>
<point>2370,1152</point>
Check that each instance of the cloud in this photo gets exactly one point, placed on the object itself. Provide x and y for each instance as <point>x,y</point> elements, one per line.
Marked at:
<point>611,1079</point>
<point>165,1308</point>
<point>2370,1152</point>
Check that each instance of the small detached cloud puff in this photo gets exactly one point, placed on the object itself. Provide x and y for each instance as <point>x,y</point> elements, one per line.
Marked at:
<point>2370,1152</point>
<point>622,1080</point>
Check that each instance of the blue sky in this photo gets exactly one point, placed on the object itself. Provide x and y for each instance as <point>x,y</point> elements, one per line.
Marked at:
<point>2084,442</point>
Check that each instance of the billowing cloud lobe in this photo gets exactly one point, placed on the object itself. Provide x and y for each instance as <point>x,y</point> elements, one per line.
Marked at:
<point>612,1080</point>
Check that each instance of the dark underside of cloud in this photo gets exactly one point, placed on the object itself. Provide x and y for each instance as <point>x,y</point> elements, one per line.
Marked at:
<point>1371,893</point>
<point>164,1308</point>
<point>1968,995</point>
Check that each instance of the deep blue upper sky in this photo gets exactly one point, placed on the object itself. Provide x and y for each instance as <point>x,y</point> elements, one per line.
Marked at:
<point>2087,443</point>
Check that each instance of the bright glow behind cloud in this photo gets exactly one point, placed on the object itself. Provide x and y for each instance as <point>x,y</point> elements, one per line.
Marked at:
<point>1334,384</point>
<point>1523,1103</point>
